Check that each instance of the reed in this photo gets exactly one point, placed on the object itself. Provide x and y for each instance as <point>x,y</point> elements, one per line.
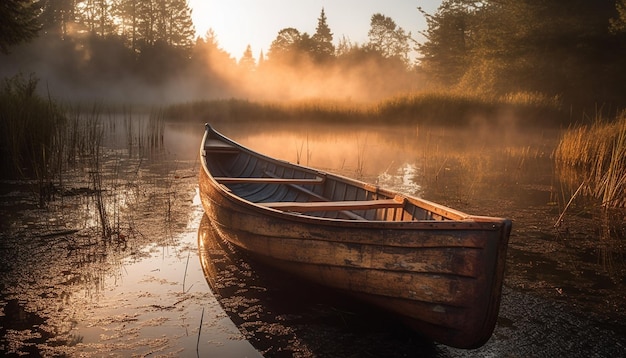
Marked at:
<point>442,108</point>
<point>29,124</point>
<point>145,133</point>
<point>95,136</point>
<point>185,275</point>
<point>155,129</point>
<point>360,158</point>
<point>199,333</point>
<point>596,154</point>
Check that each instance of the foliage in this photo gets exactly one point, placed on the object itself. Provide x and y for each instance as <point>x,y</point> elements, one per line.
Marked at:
<point>618,23</point>
<point>131,50</point>
<point>291,46</point>
<point>142,51</point>
<point>287,45</point>
<point>445,54</point>
<point>18,22</point>
<point>497,47</point>
<point>140,24</point>
<point>388,39</point>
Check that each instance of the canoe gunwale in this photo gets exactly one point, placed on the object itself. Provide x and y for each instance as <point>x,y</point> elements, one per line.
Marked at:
<point>226,145</point>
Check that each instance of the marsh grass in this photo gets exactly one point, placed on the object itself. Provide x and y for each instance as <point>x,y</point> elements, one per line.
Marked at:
<point>444,108</point>
<point>28,126</point>
<point>596,155</point>
<point>144,134</point>
<point>360,157</point>
<point>49,147</point>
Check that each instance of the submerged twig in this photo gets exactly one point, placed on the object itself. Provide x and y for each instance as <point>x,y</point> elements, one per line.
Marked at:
<point>199,331</point>
<point>186,265</point>
<point>558,221</point>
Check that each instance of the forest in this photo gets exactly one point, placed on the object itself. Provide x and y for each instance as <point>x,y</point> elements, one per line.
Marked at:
<point>147,52</point>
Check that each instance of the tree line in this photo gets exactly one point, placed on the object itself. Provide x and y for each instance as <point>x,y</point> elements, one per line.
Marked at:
<point>571,50</point>
<point>574,49</point>
<point>94,44</point>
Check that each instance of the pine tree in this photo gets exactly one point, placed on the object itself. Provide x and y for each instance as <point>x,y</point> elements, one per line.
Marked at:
<point>181,31</point>
<point>323,39</point>
<point>247,62</point>
<point>18,22</point>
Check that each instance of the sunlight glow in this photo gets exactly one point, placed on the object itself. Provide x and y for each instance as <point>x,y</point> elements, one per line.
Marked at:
<point>239,23</point>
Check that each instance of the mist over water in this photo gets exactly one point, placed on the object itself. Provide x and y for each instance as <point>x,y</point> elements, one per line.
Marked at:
<point>79,70</point>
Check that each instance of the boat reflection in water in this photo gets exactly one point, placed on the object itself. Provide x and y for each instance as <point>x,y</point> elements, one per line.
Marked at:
<point>282,316</point>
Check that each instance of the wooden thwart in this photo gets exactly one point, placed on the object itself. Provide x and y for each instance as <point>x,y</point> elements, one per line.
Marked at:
<point>235,180</point>
<point>334,205</point>
<point>214,145</point>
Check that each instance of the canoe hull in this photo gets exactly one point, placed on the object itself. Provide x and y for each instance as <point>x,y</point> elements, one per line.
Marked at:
<point>443,278</point>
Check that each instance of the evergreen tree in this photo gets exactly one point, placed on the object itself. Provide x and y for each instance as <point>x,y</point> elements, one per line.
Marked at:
<point>510,46</point>
<point>261,59</point>
<point>57,15</point>
<point>445,54</point>
<point>127,13</point>
<point>160,21</point>
<point>180,28</point>
<point>247,62</point>
<point>323,47</point>
<point>344,47</point>
<point>18,22</point>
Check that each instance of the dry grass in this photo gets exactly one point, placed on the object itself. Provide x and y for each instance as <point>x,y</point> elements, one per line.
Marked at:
<point>596,154</point>
<point>441,108</point>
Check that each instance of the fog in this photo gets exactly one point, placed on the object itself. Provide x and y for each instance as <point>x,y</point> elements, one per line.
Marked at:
<point>86,69</point>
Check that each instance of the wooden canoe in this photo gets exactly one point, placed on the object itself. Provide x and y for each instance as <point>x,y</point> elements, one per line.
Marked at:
<point>439,269</point>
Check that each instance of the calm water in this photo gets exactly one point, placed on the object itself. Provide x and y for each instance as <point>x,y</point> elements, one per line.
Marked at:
<point>150,289</point>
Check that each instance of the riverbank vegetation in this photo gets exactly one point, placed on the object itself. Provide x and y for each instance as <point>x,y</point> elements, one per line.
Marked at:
<point>433,108</point>
<point>595,155</point>
<point>29,125</point>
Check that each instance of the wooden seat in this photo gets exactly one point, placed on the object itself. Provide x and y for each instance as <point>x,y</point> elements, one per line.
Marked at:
<point>234,180</point>
<point>334,205</point>
<point>217,146</point>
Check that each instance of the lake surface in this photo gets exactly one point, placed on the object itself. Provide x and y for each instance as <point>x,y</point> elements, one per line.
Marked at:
<point>162,284</point>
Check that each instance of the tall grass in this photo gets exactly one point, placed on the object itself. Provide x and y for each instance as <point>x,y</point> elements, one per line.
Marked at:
<point>444,108</point>
<point>29,124</point>
<point>145,134</point>
<point>596,154</point>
